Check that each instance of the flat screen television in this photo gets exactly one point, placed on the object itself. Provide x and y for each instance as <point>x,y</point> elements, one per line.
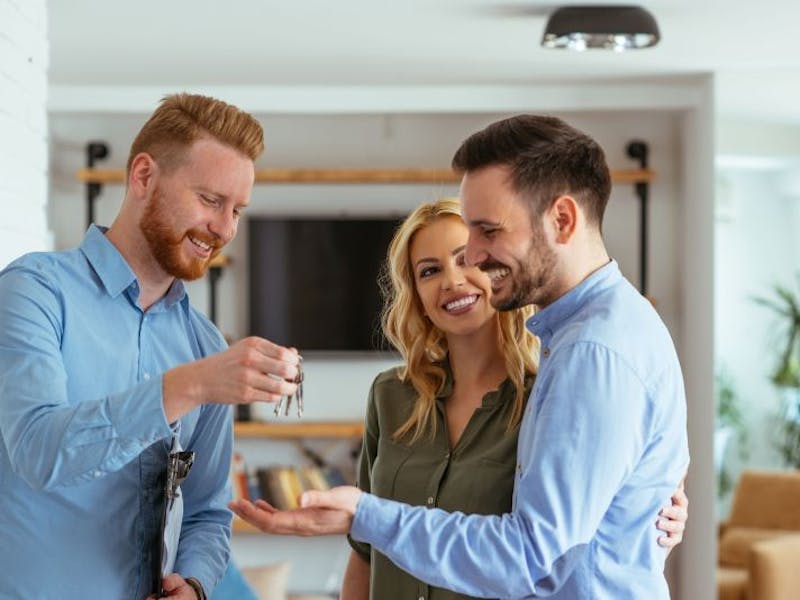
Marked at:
<point>313,282</point>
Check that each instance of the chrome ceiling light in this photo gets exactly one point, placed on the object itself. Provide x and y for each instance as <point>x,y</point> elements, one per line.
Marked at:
<point>618,28</point>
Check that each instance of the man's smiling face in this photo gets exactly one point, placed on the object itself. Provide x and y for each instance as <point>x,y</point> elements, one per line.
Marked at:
<point>504,242</point>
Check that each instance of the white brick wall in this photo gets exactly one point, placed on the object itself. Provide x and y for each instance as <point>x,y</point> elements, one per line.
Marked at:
<point>23,128</point>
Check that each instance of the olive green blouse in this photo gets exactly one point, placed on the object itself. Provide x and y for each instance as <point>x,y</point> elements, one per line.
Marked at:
<point>477,476</point>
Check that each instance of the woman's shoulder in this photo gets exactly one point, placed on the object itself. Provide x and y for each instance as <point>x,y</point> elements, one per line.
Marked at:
<point>389,383</point>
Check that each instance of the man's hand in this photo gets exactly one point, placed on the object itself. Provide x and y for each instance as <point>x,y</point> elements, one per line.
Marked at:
<point>321,513</point>
<point>673,519</point>
<point>176,587</point>
<point>252,370</point>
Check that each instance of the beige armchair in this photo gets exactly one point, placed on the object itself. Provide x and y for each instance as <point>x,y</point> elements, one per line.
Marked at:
<point>759,546</point>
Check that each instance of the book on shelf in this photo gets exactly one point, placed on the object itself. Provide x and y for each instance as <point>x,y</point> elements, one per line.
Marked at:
<point>239,478</point>
<point>282,486</point>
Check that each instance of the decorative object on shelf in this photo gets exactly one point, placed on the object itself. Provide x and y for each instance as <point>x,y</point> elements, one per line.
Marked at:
<point>730,425</point>
<point>785,302</point>
<point>616,27</point>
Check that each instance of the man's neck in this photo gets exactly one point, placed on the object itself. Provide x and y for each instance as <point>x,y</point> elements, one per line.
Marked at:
<point>577,267</point>
<point>154,282</point>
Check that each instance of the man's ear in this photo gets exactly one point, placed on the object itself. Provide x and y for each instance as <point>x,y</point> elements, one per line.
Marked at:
<point>142,174</point>
<point>564,214</point>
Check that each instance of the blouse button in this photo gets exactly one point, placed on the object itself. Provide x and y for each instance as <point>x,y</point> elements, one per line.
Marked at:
<point>430,499</point>
<point>546,352</point>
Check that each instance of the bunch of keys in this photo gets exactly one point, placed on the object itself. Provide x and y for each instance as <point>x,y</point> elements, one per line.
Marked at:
<point>286,401</point>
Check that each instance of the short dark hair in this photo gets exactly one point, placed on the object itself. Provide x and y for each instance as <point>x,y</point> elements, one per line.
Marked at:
<point>548,158</point>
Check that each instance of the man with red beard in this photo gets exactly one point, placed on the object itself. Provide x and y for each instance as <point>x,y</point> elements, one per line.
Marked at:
<point>106,371</point>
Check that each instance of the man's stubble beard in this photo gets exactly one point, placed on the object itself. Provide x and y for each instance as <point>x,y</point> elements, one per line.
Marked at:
<point>533,280</point>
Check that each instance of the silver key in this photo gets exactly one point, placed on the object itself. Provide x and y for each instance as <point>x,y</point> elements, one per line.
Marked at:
<point>285,402</point>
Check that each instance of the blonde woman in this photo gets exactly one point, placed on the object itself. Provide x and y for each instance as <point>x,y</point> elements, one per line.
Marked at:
<point>441,430</point>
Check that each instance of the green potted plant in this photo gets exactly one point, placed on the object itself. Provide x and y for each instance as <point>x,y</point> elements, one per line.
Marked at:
<point>730,425</point>
<point>786,374</point>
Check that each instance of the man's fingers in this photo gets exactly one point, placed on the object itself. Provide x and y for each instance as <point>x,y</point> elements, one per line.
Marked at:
<point>265,506</point>
<point>344,498</point>
<point>244,509</point>
<point>318,499</point>
<point>671,526</point>
<point>172,582</point>
<point>273,351</point>
<point>676,513</point>
<point>668,542</point>
<point>271,385</point>
<point>679,498</point>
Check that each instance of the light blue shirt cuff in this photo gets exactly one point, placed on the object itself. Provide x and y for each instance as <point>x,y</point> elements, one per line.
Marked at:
<point>370,523</point>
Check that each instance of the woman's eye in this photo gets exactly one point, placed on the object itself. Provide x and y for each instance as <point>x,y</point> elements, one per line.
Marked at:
<point>427,272</point>
<point>461,260</point>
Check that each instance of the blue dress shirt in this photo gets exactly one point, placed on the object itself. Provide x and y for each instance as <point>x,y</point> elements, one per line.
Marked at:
<point>602,446</point>
<point>84,433</point>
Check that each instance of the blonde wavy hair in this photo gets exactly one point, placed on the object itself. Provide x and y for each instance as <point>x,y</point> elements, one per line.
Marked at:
<point>422,345</point>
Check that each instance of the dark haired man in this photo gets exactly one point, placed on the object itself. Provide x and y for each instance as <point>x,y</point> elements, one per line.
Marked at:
<point>603,441</point>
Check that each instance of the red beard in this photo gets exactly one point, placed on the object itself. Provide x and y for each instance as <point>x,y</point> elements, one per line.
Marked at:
<point>166,244</point>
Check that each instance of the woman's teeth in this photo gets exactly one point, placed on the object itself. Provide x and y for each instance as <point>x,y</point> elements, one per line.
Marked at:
<point>461,303</point>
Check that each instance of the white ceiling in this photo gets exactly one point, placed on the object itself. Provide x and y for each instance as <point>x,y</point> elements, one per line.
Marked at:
<point>752,47</point>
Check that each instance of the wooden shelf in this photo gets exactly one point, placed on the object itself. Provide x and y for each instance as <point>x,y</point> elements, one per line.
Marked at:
<point>356,176</point>
<point>331,429</point>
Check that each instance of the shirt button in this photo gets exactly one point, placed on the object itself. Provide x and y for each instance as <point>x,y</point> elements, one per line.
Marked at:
<point>97,474</point>
<point>421,598</point>
<point>546,352</point>
<point>447,456</point>
<point>147,376</point>
<point>430,499</point>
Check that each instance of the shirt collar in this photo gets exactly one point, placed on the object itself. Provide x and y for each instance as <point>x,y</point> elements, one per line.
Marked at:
<point>114,271</point>
<point>446,389</point>
<point>547,320</point>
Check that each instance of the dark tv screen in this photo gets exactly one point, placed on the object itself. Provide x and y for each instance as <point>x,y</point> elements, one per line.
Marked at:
<point>313,282</point>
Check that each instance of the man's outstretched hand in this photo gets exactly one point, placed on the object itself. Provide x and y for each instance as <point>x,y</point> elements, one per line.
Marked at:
<point>320,513</point>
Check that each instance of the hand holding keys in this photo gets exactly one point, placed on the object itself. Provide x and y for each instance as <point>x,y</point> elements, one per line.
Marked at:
<point>286,401</point>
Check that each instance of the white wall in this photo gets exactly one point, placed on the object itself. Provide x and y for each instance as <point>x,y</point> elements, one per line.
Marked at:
<point>23,128</point>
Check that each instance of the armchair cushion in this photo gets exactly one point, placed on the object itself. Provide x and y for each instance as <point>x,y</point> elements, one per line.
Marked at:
<point>736,543</point>
<point>774,571</point>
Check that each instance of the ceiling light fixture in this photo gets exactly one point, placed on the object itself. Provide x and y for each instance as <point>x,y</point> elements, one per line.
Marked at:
<point>617,28</point>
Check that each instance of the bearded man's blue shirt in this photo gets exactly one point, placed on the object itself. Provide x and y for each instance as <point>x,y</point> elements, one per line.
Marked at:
<point>602,447</point>
<point>84,433</point>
